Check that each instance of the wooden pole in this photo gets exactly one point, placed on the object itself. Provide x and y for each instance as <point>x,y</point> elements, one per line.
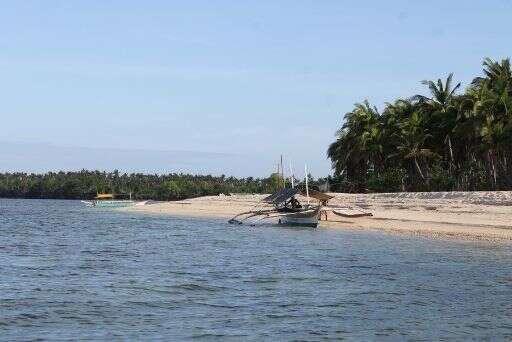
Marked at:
<point>291,176</point>
<point>282,172</point>
<point>307,187</point>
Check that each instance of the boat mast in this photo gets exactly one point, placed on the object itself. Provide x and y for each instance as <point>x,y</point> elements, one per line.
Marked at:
<point>291,176</point>
<point>282,172</point>
<point>307,187</point>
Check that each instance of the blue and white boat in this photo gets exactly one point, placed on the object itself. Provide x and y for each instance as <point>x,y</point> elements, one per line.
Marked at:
<point>109,201</point>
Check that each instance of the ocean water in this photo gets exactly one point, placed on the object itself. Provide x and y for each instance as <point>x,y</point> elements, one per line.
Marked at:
<point>70,272</point>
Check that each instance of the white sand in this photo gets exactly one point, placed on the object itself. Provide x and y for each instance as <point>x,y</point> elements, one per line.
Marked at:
<point>460,215</point>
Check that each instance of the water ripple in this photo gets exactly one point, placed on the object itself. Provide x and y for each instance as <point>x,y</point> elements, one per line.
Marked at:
<point>70,272</point>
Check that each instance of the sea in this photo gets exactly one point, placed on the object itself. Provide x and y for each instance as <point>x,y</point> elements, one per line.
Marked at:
<point>69,272</point>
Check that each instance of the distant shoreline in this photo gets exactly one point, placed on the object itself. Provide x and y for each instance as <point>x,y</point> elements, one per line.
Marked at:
<point>484,215</point>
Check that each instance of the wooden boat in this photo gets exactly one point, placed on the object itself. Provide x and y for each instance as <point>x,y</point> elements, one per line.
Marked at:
<point>284,207</point>
<point>301,217</point>
<point>110,201</point>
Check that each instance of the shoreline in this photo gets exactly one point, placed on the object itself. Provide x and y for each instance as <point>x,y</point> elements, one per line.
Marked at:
<point>483,216</point>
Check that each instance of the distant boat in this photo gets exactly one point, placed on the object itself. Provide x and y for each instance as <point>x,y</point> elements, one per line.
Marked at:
<point>109,201</point>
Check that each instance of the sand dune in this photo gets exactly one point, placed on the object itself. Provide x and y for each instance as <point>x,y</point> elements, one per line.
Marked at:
<point>460,215</point>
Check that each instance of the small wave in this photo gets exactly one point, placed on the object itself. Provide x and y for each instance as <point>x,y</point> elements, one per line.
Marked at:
<point>225,306</point>
<point>337,305</point>
<point>373,293</point>
<point>262,280</point>
<point>197,287</point>
<point>152,304</point>
<point>212,335</point>
<point>361,266</point>
<point>172,288</point>
<point>277,316</point>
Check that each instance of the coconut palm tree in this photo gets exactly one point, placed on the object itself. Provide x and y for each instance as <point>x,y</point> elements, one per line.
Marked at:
<point>412,145</point>
<point>459,141</point>
<point>440,105</point>
<point>391,122</point>
<point>357,144</point>
<point>494,104</point>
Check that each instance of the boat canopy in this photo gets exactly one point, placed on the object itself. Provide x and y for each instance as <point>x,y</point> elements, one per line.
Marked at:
<point>281,196</point>
<point>322,197</point>
<point>104,196</point>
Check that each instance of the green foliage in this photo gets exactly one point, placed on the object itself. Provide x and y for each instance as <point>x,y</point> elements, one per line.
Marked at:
<point>442,180</point>
<point>276,182</point>
<point>86,184</point>
<point>443,141</point>
<point>389,180</point>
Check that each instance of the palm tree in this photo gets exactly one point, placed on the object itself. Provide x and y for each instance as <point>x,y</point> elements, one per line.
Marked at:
<point>391,122</point>
<point>413,137</point>
<point>494,92</point>
<point>457,141</point>
<point>440,105</point>
<point>357,145</point>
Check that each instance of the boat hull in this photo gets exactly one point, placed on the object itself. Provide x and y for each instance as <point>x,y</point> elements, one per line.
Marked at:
<point>299,222</point>
<point>301,218</point>
<point>110,204</point>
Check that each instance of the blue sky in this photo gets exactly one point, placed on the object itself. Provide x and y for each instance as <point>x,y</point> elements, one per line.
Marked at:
<point>249,80</point>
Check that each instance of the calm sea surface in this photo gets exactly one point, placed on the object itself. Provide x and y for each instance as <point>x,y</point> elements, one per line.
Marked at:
<point>70,272</point>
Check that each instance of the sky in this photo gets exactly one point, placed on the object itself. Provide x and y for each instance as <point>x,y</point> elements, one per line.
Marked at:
<point>222,87</point>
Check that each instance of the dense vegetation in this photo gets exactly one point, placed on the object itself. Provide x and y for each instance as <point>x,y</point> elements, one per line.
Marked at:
<point>86,184</point>
<point>443,141</point>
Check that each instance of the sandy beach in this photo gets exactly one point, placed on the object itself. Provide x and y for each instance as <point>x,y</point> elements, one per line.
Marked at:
<point>460,215</point>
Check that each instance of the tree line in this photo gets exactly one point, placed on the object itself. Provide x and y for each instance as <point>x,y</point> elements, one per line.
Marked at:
<point>446,140</point>
<point>87,184</point>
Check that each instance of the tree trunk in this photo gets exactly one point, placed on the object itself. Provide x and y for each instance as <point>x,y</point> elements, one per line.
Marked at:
<point>492,164</point>
<point>451,149</point>
<point>418,168</point>
<point>488,167</point>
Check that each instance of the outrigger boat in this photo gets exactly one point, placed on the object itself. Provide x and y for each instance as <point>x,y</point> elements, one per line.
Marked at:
<point>284,207</point>
<point>110,201</point>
